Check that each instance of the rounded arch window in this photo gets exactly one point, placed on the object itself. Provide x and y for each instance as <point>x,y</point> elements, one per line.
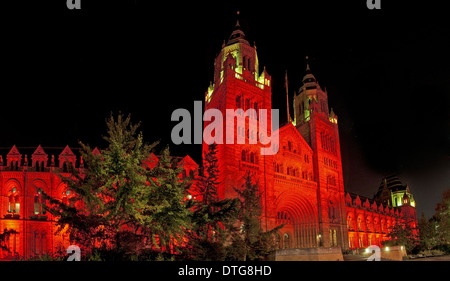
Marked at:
<point>14,201</point>
<point>286,240</point>
<point>38,202</point>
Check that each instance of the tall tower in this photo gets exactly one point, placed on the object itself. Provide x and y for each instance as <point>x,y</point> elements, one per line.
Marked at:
<point>238,84</point>
<point>319,128</point>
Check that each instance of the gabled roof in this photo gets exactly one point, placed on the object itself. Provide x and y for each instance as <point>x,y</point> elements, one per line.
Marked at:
<point>187,160</point>
<point>67,152</point>
<point>14,151</point>
<point>291,127</point>
<point>39,152</point>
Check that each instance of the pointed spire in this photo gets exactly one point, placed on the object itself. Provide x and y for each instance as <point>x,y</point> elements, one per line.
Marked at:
<point>237,36</point>
<point>309,80</point>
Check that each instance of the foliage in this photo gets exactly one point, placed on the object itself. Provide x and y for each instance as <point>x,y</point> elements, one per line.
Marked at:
<point>212,218</point>
<point>403,235</point>
<point>162,209</point>
<point>251,242</point>
<point>427,233</point>
<point>442,218</point>
<point>120,205</point>
<point>4,237</point>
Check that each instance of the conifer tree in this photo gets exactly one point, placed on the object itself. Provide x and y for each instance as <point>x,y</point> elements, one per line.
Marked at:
<point>121,203</point>
<point>101,214</point>
<point>251,242</point>
<point>442,218</point>
<point>162,207</point>
<point>212,218</point>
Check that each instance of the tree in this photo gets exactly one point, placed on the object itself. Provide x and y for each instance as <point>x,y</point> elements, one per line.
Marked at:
<point>427,233</point>
<point>121,204</point>
<point>4,237</point>
<point>442,217</point>
<point>251,242</point>
<point>212,218</point>
<point>162,209</point>
<point>402,235</point>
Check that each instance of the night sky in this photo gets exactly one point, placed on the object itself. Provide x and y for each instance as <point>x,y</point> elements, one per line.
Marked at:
<point>387,74</point>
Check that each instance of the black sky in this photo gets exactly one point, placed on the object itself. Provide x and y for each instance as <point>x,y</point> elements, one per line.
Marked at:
<point>387,74</point>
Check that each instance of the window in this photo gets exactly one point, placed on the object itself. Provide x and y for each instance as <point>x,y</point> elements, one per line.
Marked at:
<point>38,210</point>
<point>331,211</point>
<point>286,241</point>
<point>244,155</point>
<point>238,102</point>
<point>40,243</point>
<point>14,201</point>
<point>333,237</point>
<point>289,145</point>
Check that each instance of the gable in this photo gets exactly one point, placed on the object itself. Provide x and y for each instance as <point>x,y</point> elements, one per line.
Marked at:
<point>67,152</point>
<point>289,131</point>
<point>14,151</point>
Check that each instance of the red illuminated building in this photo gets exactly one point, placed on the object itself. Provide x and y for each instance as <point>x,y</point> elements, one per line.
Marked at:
<point>302,185</point>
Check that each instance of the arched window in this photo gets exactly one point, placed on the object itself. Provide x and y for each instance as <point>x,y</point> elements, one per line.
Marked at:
<point>286,241</point>
<point>238,102</point>
<point>38,209</point>
<point>40,243</point>
<point>252,157</point>
<point>14,201</point>
<point>331,211</point>
<point>244,155</point>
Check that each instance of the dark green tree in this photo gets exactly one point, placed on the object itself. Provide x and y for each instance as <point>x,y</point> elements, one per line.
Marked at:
<point>212,219</point>
<point>442,218</point>
<point>428,236</point>
<point>162,209</point>
<point>251,242</point>
<point>102,213</point>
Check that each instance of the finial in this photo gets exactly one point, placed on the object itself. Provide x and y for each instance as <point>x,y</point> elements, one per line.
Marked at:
<point>307,63</point>
<point>237,21</point>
